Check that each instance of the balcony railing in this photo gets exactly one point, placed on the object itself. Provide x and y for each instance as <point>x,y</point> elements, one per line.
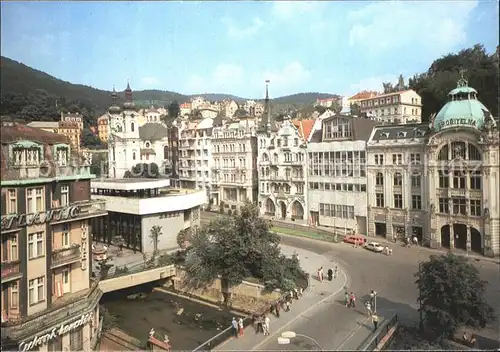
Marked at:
<point>45,170</point>
<point>65,256</point>
<point>74,211</point>
<point>11,270</point>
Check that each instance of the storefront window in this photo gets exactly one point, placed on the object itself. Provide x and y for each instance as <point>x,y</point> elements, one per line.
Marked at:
<point>76,339</point>
<point>55,344</point>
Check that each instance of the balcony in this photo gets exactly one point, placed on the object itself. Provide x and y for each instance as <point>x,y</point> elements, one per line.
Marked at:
<point>457,192</point>
<point>45,170</point>
<point>65,256</point>
<point>72,212</point>
<point>11,271</point>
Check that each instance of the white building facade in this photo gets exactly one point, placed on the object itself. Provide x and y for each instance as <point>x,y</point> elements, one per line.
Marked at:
<point>195,155</point>
<point>337,192</point>
<point>234,150</point>
<point>398,107</point>
<point>439,182</point>
<point>130,143</point>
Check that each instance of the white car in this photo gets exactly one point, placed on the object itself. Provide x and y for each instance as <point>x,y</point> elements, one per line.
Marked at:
<point>374,247</point>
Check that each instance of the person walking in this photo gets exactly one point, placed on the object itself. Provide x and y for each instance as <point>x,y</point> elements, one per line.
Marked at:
<point>369,309</point>
<point>240,326</point>
<point>320,274</point>
<point>375,322</point>
<point>352,300</point>
<point>336,272</point>
<point>277,309</point>
<point>267,320</point>
<point>346,299</point>
<point>234,324</point>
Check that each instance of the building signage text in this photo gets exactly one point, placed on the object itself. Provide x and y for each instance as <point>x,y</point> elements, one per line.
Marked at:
<point>55,332</point>
<point>458,122</point>
<point>39,218</point>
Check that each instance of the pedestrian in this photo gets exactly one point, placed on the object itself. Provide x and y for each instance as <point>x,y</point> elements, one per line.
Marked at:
<point>330,274</point>
<point>260,328</point>
<point>267,320</point>
<point>300,291</point>
<point>375,322</point>
<point>336,272</point>
<point>234,324</point>
<point>277,309</point>
<point>320,274</point>
<point>373,293</point>
<point>390,251</point>
<point>295,293</point>
<point>346,299</point>
<point>369,308</point>
<point>352,300</point>
<point>240,326</point>
<point>287,306</point>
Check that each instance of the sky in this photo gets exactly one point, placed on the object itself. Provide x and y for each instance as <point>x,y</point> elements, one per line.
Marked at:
<point>232,47</point>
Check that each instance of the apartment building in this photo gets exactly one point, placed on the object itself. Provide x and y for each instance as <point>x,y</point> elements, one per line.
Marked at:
<point>73,118</point>
<point>195,154</point>
<point>438,181</point>
<point>234,152</point>
<point>363,95</point>
<point>103,128</point>
<point>397,108</point>
<point>336,173</point>
<point>49,300</point>
<point>70,129</point>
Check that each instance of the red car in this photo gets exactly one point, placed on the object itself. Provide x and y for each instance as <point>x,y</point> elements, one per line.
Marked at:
<point>360,240</point>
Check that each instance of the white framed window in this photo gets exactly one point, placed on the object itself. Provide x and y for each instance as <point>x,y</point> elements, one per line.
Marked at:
<point>12,201</point>
<point>14,295</point>
<point>35,245</point>
<point>34,200</point>
<point>64,195</point>
<point>36,290</point>
<point>65,239</point>
<point>14,249</point>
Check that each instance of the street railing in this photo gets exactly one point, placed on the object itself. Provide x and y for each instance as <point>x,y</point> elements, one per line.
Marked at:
<point>372,341</point>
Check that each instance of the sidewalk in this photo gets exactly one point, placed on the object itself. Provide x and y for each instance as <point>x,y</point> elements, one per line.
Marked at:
<point>316,293</point>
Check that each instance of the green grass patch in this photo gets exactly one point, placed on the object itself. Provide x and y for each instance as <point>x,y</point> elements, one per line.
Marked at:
<point>303,233</point>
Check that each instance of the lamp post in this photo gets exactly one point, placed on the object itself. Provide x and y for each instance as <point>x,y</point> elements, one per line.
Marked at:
<point>287,335</point>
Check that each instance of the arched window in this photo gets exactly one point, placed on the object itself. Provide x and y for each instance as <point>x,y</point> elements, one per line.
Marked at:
<point>132,127</point>
<point>379,179</point>
<point>165,152</point>
<point>275,158</point>
<point>443,153</point>
<point>133,155</point>
<point>458,150</point>
<point>474,153</point>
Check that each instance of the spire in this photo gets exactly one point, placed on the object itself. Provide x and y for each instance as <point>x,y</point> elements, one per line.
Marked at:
<point>114,95</point>
<point>128,93</point>
<point>268,106</point>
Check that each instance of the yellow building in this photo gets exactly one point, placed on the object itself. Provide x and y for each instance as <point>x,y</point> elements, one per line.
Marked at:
<point>103,128</point>
<point>69,129</point>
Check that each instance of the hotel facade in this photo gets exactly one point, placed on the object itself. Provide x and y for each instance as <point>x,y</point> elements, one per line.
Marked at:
<point>49,301</point>
<point>438,181</point>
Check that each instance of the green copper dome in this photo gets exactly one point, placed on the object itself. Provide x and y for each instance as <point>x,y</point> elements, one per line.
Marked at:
<point>462,110</point>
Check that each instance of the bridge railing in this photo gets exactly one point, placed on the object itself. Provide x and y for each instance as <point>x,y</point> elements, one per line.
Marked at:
<point>372,341</point>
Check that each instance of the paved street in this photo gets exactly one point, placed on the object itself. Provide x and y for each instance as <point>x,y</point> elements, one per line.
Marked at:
<point>391,276</point>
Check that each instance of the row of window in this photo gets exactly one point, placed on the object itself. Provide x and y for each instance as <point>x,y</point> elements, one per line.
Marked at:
<point>416,201</point>
<point>275,188</point>
<point>416,180</point>
<point>288,157</point>
<point>275,175</point>
<point>336,210</point>
<point>230,162</point>
<point>345,187</point>
<point>459,179</point>
<point>33,156</point>
<point>397,159</point>
<point>229,134</point>
<point>374,102</point>
<point>459,206</point>
<point>229,148</point>
<point>35,200</point>
<point>337,128</point>
<point>232,178</point>
<point>279,142</point>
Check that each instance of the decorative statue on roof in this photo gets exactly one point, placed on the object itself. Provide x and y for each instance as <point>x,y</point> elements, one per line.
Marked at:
<point>431,120</point>
<point>489,122</point>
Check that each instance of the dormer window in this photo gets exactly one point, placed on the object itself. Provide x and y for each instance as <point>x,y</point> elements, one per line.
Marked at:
<point>401,134</point>
<point>62,155</point>
<point>26,154</point>
<point>385,134</point>
<point>419,133</point>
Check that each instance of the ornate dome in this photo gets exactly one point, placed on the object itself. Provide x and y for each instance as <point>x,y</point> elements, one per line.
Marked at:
<point>114,108</point>
<point>463,110</point>
<point>129,102</point>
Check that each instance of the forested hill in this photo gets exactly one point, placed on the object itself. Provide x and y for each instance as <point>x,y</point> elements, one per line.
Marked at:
<point>32,95</point>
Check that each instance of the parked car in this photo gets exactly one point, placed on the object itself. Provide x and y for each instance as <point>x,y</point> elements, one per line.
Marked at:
<point>360,240</point>
<point>374,247</point>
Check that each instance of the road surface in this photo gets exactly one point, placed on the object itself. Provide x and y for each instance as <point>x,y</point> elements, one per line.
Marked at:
<point>391,276</point>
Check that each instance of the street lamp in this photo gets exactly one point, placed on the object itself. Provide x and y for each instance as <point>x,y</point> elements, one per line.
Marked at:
<point>287,335</point>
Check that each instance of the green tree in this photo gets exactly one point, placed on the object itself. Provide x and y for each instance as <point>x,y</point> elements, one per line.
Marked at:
<point>355,109</point>
<point>441,77</point>
<point>239,247</point>
<point>336,107</point>
<point>100,164</point>
<point>154,235</point>
<point>184,237</point>
<point>320,109</point>
<point>451,295</point>
<point>174,110</point>
<point>89,139</point>
<point>144,170</point>
<point>103,267</point>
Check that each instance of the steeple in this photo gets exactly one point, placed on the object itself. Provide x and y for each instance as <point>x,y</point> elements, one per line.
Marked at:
<point>114,108</point>
<point>266,122</point>
<point>114,95</point>
<point>128,93</point>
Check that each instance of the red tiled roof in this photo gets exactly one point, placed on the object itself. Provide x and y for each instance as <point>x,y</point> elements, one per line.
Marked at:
<point>305,127</point>
<point>13,132</point>
<point>388,94</point>
<point>364,95</point>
